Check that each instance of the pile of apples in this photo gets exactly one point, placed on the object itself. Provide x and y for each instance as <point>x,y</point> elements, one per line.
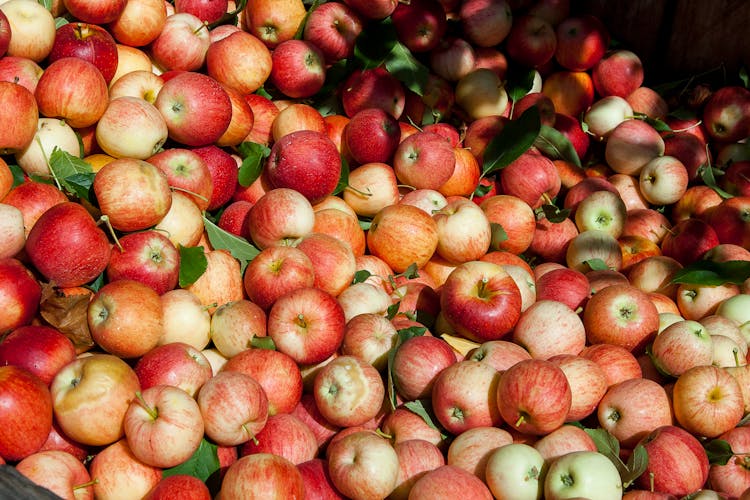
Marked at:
<point>366,249</point>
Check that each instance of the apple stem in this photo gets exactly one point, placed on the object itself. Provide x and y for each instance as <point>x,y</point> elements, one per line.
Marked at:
<point>521,420</point>
<point>382,434</point>
<point>547,199</point>
<point>210,306</point>
<point>176,188</point>
<point>359,191</point>
<point>104,219</point>
<point>252,436</point>
<point>153,412</point>
<point>406,186</point>
<point>240,6</point>
<point>667,229</point>
<point>736,353</point>
<point>651,481</point>
<point>86,485</point>
<point>204,25</point>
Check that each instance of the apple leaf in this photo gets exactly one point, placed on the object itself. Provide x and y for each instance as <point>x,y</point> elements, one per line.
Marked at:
<point>374,44</point>
<point>68,314</point>
<point>423,408</point>
<point>19,177</point>
<point>658,124</point>
<point>519,83</point>
<point>481,190</point>
<point>744,77</point>
<point>262,343</point>
<point>365,224</point>
<point>72,174</point>
<point>253,155</point>
<point>361,276</point>
<point>401,336</point>
<point>708,272</point>
<point>719,451</point>
<point>637,464</point>
<point>552,213</point>
<point>343,177</point>
<point>607,445</point>
<point>556,146</point>
<point>202,464</point>
<point>263,93</point>
<point>97,283</point>
<point>402,64</point>
<point>515,139</point>
<point>301,29</point>
<point>708,174</point>
<point>597,264</point>
<point>193,264</point>
<point>240,248</point>
<point>498,235</point>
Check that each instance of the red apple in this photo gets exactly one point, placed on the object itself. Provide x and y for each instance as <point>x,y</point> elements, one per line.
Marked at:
<point>176,364</point>
<point>224,171</point>
<point>20,70</point>
<point>116,471</point>
<point>187,172</point>
<point>450,481</point>
<point>148,257</point>
<point>179,486</point>
<point>373,88</point>
<point>371,135</point>
<point>333,27</point>
<point>617,73</point>
<point>89,42</point>
<point>424,160</point>
<point>20,294</point>
<point>262,474</point>
<point>67,246</point>
<point>241,61</point>
<point>402,235</point>
<point>42,350</point>
<point>725,114</point>
<point>298,68</point>
<point>538,183</point>
<point>420,24</point>
<point>730,221</point>
<point>417,363</point>
<point>285,435</point>
<point>572,92</point>
<point>23,393</point>
<point>139,23</point>
<point>581,42</point>
<point>96,12</point>
<point>181,44</point>
<point>486,22</point>
<point>363,464</point>
<point>59,472</point>
<point>5,34</point>
<point>531,42</point>
<point>206,10</point>
<point>280,215</point>
<point>688,240</point>
<point>274,22</point>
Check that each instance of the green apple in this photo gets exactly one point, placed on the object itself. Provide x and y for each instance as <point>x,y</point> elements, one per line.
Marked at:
<point>582,474</point>
<point>516,470</point>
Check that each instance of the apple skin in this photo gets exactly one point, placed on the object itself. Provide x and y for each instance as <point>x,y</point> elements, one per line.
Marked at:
<point>631,145</point>
<point>148,257</point>
<point>363,465</point>
<point>333,27</point>
<point>450,481</point>
<point>275,271</point>
<point>42,350</point>
<point>417,363</point>
<point>306,161</point>
<point>371,135</point>
<point>424,160</point>
<point>486,23</point>
<point>516,467</point>
<point>298,69</point>
<point>531,177</point>
<point>688,240</point>
<point>419,25</point>
<point>402,235</point>
<point>618,73</point>
<point>241,61</point>
<point>582,474</point>
<point>286,435</point>
<point>733,477</point>
<point>532,41</point>
<point>196,108</point>
<point>17,137</point>
<point>179,486</point>
<point>373,88</point>
<point>262,475</point>
<point>206,10</point>
<point>98,384</point>
<point>23,393</point>
<point>730,221</point>
<point>87,41</point>
<point>5,34</point>
<point>116,471</point>
<point>59,472</point>
<point>20,294</point>
<point>176,364</point>
<point>472,449</point>
<point>581,42</point>
<point>725,114</point>
<point>677,462</point>
<point>67,246</point>
<point>481,301</point>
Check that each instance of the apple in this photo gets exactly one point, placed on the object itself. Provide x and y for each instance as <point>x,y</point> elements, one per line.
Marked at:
<point>649,102</point>
<point>205,10</point>
<point>647,223</point>
<point>51,134</point>
<point>681,346</point>
<point>402,235</point>
<point>181,44</point>
<point>695,203</point>
<point>401,425</point>
<point>593,245</point>
<point>148,257</point>
<point>187,172</point>
<point>373,88</point>
<point>618,363</point>
<point>59,472</point>
<point>581,42</point>
<point>19,103</point>
<point>548,328</point>
<point>417,363</point>
<point>333,27</point>
<point>472,449</point>
<point>179,485</point>
<point>5,34</point>
<point>23,393</point>
<point>363,465</point>
<point>90,397</point>
<point>66,246</point>
<point>564,440</point>
<point>543,103</point>
<point>183,222</point>
<point>564,285</point>
<point>516,218</point>
<point>139,23</point>
<point>42,350</point>
<point>481,93</point>
<point>452,482</point>
<point>631,145</point>
<point>538,183</point>
<point>550,240</point>
<point>607,113</point>
<point>32,29</point>
<point>343,402</point>
<point>707,401</point>
<point>262,474</point>
<point>116,471</point>
<point>20,70</point>
<point>586,474</point>
<point>663,180</point>
<point>516,467</point>
<point>274,21</point>
<point>464,232</point>
<point>285,435</point>
<point>622,315</point>
<point>571,92</point>
<point>137,83</point>
<point>275,271</point>
<point>531,42</point>
<point>419,25</point>
<point>689,149</point>
<point>424,160</point>
<point>725,114</point>
<point>732,477</point>
<point>379,9</point>
<point>131,127</point>
<point>371,135</point>
<point>306,161</point>
<point>486,22</point>
<point>688,240</point>
<point>343,226</point>
<point>240,61</point>
<point>617,73</point>
<point>20,294</point>
<point>276,372</point>
<point>234,407</point>
<point>196,108</point>
<point>89,42</point>
<point>175,364</point>
<point>730,221</point>
<point>452,59</point>
<point>298,68</point>
<point>416,457</point>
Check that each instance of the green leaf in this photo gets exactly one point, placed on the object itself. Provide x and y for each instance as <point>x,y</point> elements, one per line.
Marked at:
<point>193,264</point>
<point>60,21</point>
<point>374,44</point>
<point>519,83</point>
<point>637,464</point>
<point>597,264</point>
<point>203,463</point>
<point>263,93</point>
<point>19,177</point>
<point>708,272</point>
<point>658,124</point>
<point>253,155</point>
<point>607,445</point>
<point>481,190</point>
<point>498,235</point>
<point>239,247</point>
<point>554,214</point>
<point>301,29</point>
<point>73,174</point>
<point>365,224</point>
<point>423,408</point>
<point>361,276</point>
<point>343,177</point>
<point>411,272</point>
<point>262,343</point>
<point>47,4</point>
<point>392,310</point>
<point>402,64</point>
<point>719,451</point>
<point>515,139</point>
<point>708,175</point>
<point>744,77</point>
<point>555,145</point>
<point>95,285</point>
